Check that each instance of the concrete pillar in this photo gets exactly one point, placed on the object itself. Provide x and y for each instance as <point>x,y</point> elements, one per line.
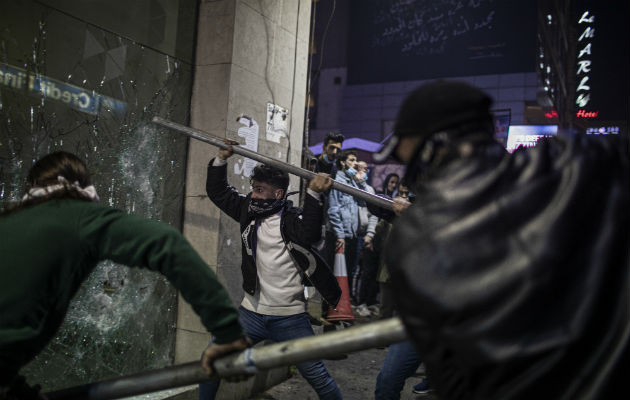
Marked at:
<point>250,53</point>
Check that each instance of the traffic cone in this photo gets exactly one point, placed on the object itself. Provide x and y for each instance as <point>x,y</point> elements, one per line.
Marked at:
<point>343,312</point>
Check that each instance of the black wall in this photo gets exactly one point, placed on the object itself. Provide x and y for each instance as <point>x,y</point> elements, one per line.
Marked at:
<point>422,39</point>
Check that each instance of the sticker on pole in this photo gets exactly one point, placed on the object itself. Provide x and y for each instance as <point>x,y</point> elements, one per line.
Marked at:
<point>277,118</point>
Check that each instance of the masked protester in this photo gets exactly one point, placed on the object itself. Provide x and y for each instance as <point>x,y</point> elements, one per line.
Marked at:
<point>343,217</point>
<point>510,271</point>
<point>61,216</point>
<point>277,260</point>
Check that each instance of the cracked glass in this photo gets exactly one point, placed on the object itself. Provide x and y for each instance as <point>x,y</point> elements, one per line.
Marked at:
<point>87,77</point>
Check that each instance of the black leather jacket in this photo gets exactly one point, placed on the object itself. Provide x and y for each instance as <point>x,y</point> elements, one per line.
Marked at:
<point>511,272</point>
<point>299,229</point>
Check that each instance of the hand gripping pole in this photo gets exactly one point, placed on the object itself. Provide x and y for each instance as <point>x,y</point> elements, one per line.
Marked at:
<point>292,169</point>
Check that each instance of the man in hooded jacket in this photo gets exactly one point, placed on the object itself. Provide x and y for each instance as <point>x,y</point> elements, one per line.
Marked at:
<point>277,260</point>
<point>511,271</point>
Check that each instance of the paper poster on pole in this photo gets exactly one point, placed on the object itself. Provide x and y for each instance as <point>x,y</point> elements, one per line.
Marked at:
<point>249,131</point>
<point>277,118</point>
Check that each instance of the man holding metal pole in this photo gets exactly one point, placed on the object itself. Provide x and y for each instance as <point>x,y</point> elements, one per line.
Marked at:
<point>511,271</point>
<point>277,260</point>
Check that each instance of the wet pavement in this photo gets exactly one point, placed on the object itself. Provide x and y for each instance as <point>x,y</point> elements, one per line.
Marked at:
<point>355,376</point>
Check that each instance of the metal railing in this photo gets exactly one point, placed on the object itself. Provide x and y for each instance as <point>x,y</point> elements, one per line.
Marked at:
<point>249,361</point>
<point>292,169</point>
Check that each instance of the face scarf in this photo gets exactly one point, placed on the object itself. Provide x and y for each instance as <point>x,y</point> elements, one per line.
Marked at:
<point>262,208</point>
<point>88,192</point>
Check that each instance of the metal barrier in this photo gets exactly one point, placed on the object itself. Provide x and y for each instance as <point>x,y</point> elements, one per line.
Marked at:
<point>249,361</point>
<point>292,169</point>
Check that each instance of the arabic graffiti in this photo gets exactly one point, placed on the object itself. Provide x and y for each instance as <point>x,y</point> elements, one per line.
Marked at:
<point>421,27</point>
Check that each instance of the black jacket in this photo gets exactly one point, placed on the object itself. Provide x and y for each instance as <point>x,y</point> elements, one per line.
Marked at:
<point>299,229</point>
<point>322,166</point>
<point>511,272</point>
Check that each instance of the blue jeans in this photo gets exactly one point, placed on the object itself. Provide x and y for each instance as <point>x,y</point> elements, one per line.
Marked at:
<point>400,363</point>
<point>280,329</point>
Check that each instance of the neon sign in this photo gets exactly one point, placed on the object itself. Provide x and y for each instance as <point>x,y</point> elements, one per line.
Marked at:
<point>551,114</point>
<point>586,114</point>
<point>580,114</point>
<point>528,135</point>
<point>584,62</point>
<point>604,130</point>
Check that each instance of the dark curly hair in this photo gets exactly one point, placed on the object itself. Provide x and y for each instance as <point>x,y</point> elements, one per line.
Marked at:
<point>344,156</point>
<point>270,175</point>
<point>333,137</point>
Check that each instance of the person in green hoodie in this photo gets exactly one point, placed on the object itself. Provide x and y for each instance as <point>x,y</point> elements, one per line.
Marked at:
<point>60,215</point>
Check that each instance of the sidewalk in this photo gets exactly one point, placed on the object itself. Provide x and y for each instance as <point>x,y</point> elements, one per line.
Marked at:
<point>355,376</point>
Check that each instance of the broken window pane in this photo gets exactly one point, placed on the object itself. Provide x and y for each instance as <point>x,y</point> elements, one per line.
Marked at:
<point>69,81</point>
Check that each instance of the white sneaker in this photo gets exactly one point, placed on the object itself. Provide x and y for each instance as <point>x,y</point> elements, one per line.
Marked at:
<point>375,309</point>
<point>362,310</point>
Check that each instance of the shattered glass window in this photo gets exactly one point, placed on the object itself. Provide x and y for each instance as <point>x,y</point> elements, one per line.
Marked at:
<point>87,77</point>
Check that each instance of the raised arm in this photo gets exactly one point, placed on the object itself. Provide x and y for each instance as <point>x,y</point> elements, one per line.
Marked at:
<point>224,196</point>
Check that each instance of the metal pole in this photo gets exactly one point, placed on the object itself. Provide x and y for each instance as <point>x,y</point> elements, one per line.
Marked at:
<point>353,339</point>
<point>295,170</point>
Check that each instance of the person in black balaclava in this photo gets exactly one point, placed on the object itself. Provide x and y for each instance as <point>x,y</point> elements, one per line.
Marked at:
<point>277,260</point>
<point>510,271</point>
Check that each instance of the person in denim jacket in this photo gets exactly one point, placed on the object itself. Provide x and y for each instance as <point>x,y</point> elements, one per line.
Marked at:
<point>343,213</point>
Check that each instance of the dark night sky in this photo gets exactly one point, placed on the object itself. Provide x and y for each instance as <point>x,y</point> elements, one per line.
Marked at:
<point>402,40</point>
